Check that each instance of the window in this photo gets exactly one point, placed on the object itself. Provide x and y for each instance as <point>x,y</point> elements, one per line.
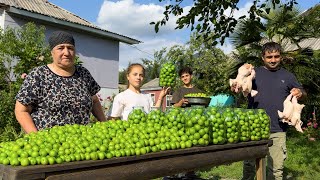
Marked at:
<point>153,97</point>
<point>168,100</point>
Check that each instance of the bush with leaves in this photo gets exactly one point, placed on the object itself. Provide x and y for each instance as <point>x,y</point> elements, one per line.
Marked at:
<point>211,67</point>
<point>312,130</point>
<point>21,50</point>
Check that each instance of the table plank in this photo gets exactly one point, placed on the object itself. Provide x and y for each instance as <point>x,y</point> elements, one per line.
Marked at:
<point>146,166</point>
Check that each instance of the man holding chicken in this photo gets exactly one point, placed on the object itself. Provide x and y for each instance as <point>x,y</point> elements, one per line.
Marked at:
<point>273,84</point>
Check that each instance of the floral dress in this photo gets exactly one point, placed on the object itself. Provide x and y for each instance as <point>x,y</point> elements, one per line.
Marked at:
<point>58,100</point>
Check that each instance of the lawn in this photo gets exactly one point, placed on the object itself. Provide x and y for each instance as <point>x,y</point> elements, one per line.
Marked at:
<point>303,162</point>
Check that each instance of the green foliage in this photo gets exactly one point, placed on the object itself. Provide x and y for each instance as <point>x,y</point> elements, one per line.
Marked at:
<point>310,22</point>
<point>247,31</point>
<point>123,77</point>
<point>10,132</point>
<point>307,71</point>
<point>78,61</point>
<point>8,121</point>
<point>210,18</point>
<point>211,67</point>
<point>281,24</point>
<point>152,67</point>
<point>20,51</point>
<point>312,130</point>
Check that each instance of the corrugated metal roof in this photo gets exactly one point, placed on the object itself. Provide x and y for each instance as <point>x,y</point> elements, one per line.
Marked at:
<point>312,43</point>
<point>46,8</point>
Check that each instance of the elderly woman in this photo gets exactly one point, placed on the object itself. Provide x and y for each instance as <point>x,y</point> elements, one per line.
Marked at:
<point>58,93</point>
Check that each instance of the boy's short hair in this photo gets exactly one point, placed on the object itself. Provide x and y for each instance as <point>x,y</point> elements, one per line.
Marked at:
<point>185,70</point>
<point>271,46</point>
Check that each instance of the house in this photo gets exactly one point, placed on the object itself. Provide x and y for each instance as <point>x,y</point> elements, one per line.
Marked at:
<point>97,48</point>
<point>154,89</point>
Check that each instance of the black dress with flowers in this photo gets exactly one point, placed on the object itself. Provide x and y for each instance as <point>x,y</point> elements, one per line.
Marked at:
<point>58,100</point>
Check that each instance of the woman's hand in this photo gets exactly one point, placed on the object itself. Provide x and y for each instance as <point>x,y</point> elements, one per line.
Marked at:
<point>23,115</point>
<point>97,110</point>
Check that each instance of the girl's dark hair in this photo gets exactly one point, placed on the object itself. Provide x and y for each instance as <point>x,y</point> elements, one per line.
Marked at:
<point>129,69</point>
<point>185,70</point>
<point>271,46</point>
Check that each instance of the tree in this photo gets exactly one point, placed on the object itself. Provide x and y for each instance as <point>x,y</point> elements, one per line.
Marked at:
<point>211,67</point>
<point>123,76</point>
<point>283,26</point>
<point>152,66</point>
<point>20,51</point>
<point>209,17</point>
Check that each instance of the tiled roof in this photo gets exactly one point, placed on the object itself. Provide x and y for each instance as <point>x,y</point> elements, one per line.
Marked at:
<point>43,7</point>
<point>151,85</point>
<point>311,43</point>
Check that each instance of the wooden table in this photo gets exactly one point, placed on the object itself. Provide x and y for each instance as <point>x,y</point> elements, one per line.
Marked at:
<point>146,166</point>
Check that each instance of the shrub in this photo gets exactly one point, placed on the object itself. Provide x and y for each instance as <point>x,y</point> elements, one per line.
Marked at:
<point>312,130</point>
<point>21,49</point>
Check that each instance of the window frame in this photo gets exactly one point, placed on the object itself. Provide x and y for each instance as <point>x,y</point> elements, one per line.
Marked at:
<point>153,98</point>
<point>168,100</point>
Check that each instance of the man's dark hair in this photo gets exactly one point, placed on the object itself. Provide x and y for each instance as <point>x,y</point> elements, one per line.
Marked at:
<point>185,70</point>
<point>271,46</point>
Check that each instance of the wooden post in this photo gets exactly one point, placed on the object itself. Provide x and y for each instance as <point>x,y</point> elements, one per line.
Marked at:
<point>260,169</point>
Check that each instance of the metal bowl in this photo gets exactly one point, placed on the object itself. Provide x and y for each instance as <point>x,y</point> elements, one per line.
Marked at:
<point>204,101</point>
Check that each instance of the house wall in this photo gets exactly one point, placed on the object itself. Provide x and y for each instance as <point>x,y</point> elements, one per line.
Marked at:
<point>157,93</point>
<point>2,15</point>
<point>99,55</point>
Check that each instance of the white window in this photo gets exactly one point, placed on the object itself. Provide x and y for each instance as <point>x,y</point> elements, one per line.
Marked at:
<point>153,97</point>
<point>168,100</point>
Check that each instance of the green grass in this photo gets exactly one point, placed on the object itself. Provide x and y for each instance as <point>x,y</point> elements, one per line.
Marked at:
<point>303,158</point>
<point>302,163</point>
<point>226,172</point>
